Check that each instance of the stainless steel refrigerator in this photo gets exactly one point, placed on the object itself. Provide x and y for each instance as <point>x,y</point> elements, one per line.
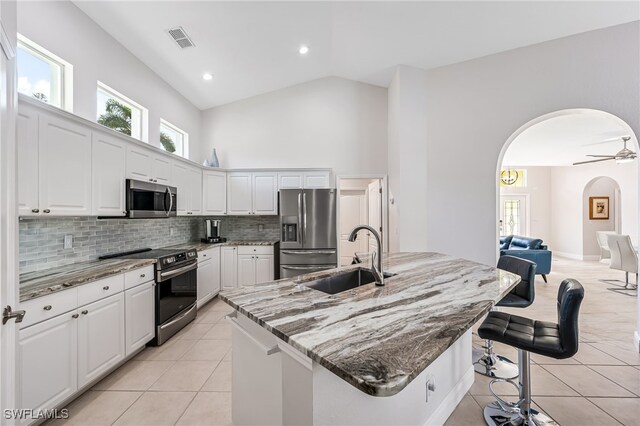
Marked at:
<point>308,241</point>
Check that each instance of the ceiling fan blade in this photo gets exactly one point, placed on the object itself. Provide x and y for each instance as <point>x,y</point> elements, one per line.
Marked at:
<point>602,156</point>
<point>593,161</point>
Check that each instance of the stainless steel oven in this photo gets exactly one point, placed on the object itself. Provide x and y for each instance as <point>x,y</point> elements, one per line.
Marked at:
<point>150,200</point>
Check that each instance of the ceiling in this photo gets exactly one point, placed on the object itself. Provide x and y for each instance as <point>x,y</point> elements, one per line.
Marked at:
<point>563,140</point>
<point>252,47</point>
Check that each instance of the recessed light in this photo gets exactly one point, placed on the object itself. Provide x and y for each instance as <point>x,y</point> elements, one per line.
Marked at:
<point>207,76</point>
<point>304,49</point>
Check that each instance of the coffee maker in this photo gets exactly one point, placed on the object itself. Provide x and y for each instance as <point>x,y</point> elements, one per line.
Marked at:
<point>212,232</point>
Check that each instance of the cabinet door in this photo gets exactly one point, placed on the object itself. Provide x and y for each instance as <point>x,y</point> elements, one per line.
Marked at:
<point>101,337</point>
<point>195,189</point>
<point>264,268</point>
<point>216,272</point>
<point>64,167</point>
<point>47,363</point>
<point>246,270</point>
<point>139,318</point>
<point>139,163</point>
<point>161,169</point>
<point>229,267</point>
<point>239,193</point>
<point>317,180</point>
<point>214,193</point>
<point>265,193</point>
<point>181,181</point>
<point>205,281</point>
<point>290,180</point>
<point>27,153</point>
<point>108,177</point>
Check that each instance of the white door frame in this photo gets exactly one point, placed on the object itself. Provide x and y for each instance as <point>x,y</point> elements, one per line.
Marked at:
<point>9,280</point>
<point>385,206</point>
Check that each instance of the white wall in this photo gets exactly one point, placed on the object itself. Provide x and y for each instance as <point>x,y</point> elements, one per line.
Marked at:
<point>407,160</point>
<point>600,187</point>
<point>330,122</point>
<point>475,106</point>
<point>62,28</point>
<point>539,191</point>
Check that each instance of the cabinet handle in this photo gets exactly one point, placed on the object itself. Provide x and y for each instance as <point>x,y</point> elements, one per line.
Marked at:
<point>155,180</point>
<point>105,288</point>
<point>46,211</point>
<point>47,308</point>
<point>35,210</point>
<point>143,275</point>
<point>150,180</point>
<point>75,316</point>
<point>85,312</point>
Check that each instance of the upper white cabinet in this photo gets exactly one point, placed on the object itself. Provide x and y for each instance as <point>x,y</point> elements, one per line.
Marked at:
<point>27,152</point>
<point>188,180</point>
<point>252,193</point>
<point>304,179</point>
<point>214,196</point>
<point>64,163</point>
<point>147,165</point>
<point>108,194</point>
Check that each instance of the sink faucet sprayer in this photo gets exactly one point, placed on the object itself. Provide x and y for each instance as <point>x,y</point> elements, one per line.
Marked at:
<point>377,270</point>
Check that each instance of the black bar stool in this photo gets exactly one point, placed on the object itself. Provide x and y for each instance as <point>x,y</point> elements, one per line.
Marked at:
<point>545,338</point>
<point>522,295</point>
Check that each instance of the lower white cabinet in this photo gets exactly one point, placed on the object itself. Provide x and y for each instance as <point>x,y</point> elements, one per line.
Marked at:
<point>229,267</point>
<point>101,332</point>
<point>47,362</point>
<point>254,269</point>
<point>139,303</point>
<point>208,275</point>
<point>264,268</point>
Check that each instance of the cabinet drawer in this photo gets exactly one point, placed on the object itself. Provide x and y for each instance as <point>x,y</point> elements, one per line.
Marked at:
<point>255,249</point>
<point>206,255</point>
<point>43,308</point>
<point>138,276</point>
<point>97,290</point>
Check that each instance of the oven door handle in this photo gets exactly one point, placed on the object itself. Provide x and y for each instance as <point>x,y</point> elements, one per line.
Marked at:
<point>175,320</point>
<point>168,275</point>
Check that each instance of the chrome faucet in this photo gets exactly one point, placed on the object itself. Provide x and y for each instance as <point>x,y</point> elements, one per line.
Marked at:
<point>377,269</point>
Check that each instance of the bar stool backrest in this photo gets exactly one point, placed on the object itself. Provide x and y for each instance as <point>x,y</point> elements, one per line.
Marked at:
<point>527,271</point>
<point>570,295</point>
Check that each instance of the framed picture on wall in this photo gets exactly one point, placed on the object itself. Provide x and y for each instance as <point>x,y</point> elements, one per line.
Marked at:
<point>599,208</point>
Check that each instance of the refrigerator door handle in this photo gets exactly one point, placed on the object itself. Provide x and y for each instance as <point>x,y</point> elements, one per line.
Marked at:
<point>300,217</point>
<point>304,216</point>
<point>308,252</point>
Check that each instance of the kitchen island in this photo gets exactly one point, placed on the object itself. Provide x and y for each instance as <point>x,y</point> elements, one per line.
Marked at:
<point>398,354</point>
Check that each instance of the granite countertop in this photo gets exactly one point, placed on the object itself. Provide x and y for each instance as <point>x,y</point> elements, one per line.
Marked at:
<point>41,283</point>
<point>378,339</point>
<point>200,246</point>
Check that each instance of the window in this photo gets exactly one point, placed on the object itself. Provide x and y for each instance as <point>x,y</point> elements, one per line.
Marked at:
<point>172,139</point>
<point>121,114</point>
<point>512,178</point>
<point>43,75</point>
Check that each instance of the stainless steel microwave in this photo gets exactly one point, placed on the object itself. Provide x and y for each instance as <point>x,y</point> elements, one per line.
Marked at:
<point>150,200</point>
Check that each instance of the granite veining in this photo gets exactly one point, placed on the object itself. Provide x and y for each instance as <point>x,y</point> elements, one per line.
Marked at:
<point>378,339</point>
<point>42,283</point>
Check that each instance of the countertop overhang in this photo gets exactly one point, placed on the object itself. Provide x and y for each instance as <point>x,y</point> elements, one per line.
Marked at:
<point>378,339</point>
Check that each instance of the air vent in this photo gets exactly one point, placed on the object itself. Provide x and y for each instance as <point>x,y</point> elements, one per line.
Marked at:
<point>180,37</point>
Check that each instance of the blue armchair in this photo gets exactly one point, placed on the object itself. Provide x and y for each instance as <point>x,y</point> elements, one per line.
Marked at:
<point>528,248</point>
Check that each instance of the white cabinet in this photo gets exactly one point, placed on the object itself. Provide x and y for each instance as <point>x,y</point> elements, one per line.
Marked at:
<point>264,268</point>
<point>252,193</point>
<point>64,163</point>
<point>208,275</point>
<point>304,179</point>
<point>101,332</point>
<point>139,304</point>
<point>108,177</point>
<point>214,197</point>
<point>47,362</point>
<point>229,267</point>
<point>146,165</point>
<point>265,193</point>
<point>239,193</point>
<point>255,265</point>
<point>27,153</point>
<point>246,270</point>
<point>188,180</point>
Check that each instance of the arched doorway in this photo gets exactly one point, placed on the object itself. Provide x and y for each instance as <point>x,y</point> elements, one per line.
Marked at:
<point>600,193</point>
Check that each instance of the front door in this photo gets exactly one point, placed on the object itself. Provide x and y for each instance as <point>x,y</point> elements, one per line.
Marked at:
<point>513,215</point>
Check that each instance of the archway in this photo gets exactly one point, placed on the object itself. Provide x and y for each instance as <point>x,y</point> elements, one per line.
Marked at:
<point>603,193</point>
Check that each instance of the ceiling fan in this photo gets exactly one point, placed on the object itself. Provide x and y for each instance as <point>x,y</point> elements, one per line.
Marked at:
<point>625,155</point>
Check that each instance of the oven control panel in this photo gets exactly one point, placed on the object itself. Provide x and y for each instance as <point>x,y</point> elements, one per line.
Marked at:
<point>177,258</point>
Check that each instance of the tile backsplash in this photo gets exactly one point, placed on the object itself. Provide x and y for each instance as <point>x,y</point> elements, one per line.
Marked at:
<point>42,240</point>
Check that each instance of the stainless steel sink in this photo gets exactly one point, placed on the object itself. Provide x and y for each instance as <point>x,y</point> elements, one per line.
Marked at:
<point>344,281</point>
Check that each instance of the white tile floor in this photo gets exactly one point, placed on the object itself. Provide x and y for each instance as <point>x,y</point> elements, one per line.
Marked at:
<point>187,381</point>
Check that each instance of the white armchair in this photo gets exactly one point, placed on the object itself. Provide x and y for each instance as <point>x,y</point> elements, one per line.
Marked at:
<point>623,256</point>
<point>605,253</point>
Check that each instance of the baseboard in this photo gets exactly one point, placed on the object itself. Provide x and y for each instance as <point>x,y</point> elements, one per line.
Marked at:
<point>453,398</point>
<point>636,340</point>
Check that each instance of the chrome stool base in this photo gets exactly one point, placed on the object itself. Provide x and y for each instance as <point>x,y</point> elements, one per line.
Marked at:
<point>496,367</point>
<point>494,415</point>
